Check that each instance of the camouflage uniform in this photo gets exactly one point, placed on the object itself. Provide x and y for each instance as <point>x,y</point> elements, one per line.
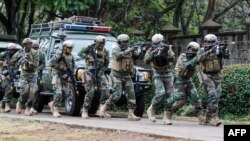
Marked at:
<point>60,79</point>
<point>28,62</point>
<point>211,76</point>
<point>121,69</point>
<point>122,79</point>
<point>6,83</point>
<point>184,88</point>
<point>102,56</point>
<point>162,77</point>
<point>41,65</point>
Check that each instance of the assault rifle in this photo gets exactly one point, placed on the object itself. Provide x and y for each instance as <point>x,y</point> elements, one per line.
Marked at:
<point>11,72</point>
<point>140,46</point>
<point>23,59</point>
<point>96,64</point>
<point>216,46</point>
<point>70,71</point>
<point>160,48</point>
<point>40,75</point>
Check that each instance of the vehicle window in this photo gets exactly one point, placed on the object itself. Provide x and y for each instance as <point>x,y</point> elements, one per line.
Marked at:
<point>3,46</point>
<point>79,44</point>
<point>2,50</point>
<point>44,44</point>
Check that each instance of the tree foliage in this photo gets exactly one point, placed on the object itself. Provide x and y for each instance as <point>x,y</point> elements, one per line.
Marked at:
<point>148,16</point>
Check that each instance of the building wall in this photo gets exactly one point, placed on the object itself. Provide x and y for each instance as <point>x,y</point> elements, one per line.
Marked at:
<point>238,45</point>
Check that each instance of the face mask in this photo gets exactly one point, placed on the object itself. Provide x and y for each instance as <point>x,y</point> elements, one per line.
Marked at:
<point>123,47</point>
<point>190,55</point>
<point>100,45</point>
<point>157,45</point>
<point>27,47</point>
<point>208,47</point>
<point>68,51</point>
<point>11,51</point>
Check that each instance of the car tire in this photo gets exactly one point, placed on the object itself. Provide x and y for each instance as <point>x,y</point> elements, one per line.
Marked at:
<point>73,102</point>
<point>41,100</point>
<point>1,96</point>
<point>140,105</point>
<point>95,103</point>
<point>16,94</point>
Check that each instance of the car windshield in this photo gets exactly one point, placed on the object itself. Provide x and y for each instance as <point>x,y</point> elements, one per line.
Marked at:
<point>80,43</point>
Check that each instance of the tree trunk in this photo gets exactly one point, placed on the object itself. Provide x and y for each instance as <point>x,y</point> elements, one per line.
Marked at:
<point>98,7</point>
<point>210,10</point>
<point>230,6</point>
<point>31,17</point>
<point>9,21</point>
<point>177,13</point>
<point>185,25</point>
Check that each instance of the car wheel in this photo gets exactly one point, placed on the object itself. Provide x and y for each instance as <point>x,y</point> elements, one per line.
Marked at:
<point>40,101</point>
<point>73,102</point>
<point>140,105</point>
<point>95,103</point>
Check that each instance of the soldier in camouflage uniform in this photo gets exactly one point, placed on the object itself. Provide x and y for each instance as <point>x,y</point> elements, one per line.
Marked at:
<point>160,56</point>
<point>41,65</point>
<point>121,69</point>
<point>61,63</point>
<point>184,89</point>
<point>211,76</point>
<point>28,61</point>
<point>7,84</point>
<point>93,79</point>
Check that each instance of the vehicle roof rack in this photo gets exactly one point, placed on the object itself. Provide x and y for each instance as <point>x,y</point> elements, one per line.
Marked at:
<point>10,38</point>
<point>79,23</point>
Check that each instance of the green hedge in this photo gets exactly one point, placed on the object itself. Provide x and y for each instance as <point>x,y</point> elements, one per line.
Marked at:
<point>235,98</point>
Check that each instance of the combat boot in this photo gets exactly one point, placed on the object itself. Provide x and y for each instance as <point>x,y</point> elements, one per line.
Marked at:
<point>50,104</point>
<point>85,113</point>
<point>151,114</point>
<point>103,112</point>
<point>18,107</point>
<point>1,108</point>
<point>106,115</point>
<point>27,112</point>
<point>55,112</point>
<point>200,117</point>
<point>167,117</point>
<point>132,116</point>
<point>207,118</point>
<point>7,108</point>
<point>33,110</point>
<point>214,120</point>
<point>98,111</point>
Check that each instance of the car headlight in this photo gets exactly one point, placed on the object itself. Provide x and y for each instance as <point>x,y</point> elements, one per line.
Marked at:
<point>79,73</point>
<point>144,76</point>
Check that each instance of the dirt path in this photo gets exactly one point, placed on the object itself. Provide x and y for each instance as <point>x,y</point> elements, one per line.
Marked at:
<point>179,129</point>
<point>16,129</point>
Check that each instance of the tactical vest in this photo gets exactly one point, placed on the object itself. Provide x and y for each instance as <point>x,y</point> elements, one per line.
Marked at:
<point>124,64</point>
<point>160,61</point>
<point>25,66</point>
<point>182,71</point>
<point>7,58</point>
<point>69,61</point>
<point>212,64</point>
<point>100,55</point>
